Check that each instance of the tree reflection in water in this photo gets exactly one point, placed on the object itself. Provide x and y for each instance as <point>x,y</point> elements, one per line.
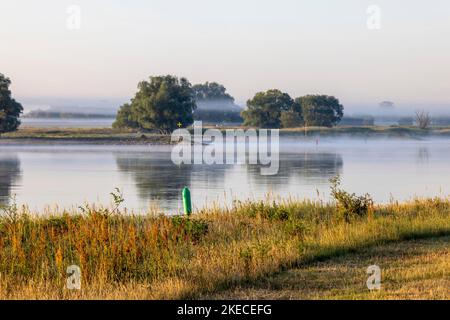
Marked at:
<point>156,177</point>
<point>10,174</point>
<point>309,168</point>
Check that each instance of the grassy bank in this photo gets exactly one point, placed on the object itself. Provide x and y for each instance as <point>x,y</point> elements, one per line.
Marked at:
<point>154,256</point>
<point>111,136</point>
<point>413,269</point>
<point>371,131</point>
<point>82,135</point>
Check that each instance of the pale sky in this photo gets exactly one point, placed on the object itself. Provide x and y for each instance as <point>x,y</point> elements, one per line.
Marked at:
<point>300,47</point>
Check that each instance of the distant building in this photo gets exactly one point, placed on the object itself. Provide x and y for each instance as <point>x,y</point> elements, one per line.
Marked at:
<point>387,105</point>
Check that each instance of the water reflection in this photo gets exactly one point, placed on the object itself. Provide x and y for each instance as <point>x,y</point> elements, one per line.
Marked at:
<point>72,175</point>
<point>305,168</point>
<point>423,155</point>
<point>156,177</point>
<point>10,174</point>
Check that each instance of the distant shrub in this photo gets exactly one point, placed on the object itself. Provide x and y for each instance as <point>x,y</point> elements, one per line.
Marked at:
<point>423,119</point>
<point>349,204</point>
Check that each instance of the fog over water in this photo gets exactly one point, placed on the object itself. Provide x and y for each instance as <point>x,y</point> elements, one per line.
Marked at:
<point>70,175</point>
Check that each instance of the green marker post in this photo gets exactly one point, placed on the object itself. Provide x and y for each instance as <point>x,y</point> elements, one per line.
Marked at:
<point>187,204</point>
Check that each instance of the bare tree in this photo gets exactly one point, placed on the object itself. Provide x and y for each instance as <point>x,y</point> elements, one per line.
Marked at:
<point>423,119</point>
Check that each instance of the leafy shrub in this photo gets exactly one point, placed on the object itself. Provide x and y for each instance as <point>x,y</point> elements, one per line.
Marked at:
<point>272,211</point>
<point>349,204</point>
<point>10,211</point>
<point>194,229</point>
<point>296,227</point>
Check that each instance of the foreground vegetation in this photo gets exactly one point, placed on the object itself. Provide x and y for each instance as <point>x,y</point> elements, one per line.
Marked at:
<point>413,269</point>
<point>156,256</point>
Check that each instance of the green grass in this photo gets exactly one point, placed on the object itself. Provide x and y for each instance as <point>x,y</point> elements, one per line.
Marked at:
<point>125,136</point>
<point>89,135</point>
<point>370,131</point>
<point>150,256</point>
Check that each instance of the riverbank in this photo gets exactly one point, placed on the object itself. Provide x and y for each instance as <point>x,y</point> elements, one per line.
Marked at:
<point>29,135</point>
<point>370,132</point>
<point>216,252</point>
<point>101,136</point>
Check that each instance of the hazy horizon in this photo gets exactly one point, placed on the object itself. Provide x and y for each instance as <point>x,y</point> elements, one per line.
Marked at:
<point>300,47</point>
<point>108,104</point>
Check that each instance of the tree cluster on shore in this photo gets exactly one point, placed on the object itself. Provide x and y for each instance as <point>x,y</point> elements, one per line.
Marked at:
<point>276,109</point>
<point>166,102</point>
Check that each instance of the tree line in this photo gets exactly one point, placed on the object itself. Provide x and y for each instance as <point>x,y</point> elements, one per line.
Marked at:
<point>276,109</point>
<point>166,102</point>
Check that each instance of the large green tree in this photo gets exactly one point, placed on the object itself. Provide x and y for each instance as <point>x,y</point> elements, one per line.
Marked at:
<point>211,91</point>
<point>125,118</point>
<point>10,109</point>
<point>265,109</point>
<point>164,103</point>
<point>320,110</point>
<point>291,119</point>
<point>214,104</point>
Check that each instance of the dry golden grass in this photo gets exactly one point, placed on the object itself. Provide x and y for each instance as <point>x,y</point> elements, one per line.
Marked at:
<point>416,269</point>
<point>159,257</point>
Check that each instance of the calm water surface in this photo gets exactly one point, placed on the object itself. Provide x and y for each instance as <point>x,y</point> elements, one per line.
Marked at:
<point>40,176</point>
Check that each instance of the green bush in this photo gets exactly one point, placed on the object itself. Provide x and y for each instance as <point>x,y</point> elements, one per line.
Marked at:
<point>193,229</point>
<point>349,204</point>
<point>274,211</point>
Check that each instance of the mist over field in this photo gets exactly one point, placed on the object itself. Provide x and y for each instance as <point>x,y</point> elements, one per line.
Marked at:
<point>109,107</point>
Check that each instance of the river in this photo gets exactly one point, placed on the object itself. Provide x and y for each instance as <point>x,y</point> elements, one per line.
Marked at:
<point>68,176</point>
